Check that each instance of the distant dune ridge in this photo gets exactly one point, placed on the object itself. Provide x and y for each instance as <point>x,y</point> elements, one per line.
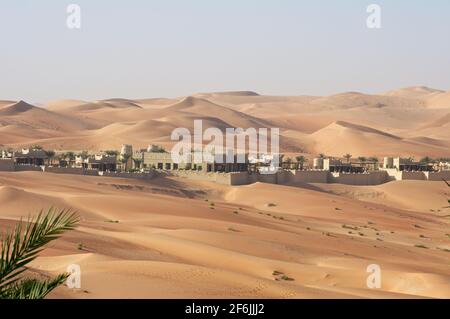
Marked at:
<point>411,121</point>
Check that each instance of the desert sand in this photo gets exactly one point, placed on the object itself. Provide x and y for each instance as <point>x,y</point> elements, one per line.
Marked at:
<point>173,237</point>
<point>407,122</point>
<point>176,238</point>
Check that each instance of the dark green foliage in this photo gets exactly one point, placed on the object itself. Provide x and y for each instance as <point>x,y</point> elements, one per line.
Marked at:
<point>22,245</point>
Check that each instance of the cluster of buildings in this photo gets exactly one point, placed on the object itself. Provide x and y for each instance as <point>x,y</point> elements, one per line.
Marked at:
<point>397,163</point>
<point>156,158</point>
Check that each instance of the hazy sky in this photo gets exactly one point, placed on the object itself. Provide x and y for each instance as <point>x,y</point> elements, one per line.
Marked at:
<point>169,48</point>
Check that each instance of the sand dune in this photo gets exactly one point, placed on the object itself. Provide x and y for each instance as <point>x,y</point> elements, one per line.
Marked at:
<point>440,101</point>
<point>407,121</point>
<point>161,239</point>
<point>59,105</point>
<point>340,137</point>
<point>413,92</point>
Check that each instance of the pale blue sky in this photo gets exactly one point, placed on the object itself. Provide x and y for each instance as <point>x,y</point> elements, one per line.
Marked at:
<point>169,48</point>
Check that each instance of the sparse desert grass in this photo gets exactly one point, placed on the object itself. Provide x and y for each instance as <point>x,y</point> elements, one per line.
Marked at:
<point>236,212</point>
<point>349,227</point>
<point>279,275</point>
<point>421,246</point>
<point>112,221</point>
<point>233,229</point>
<point>80,246</point>
<point>287,278</point>
<point>271,205</point>
<point>328,234</point>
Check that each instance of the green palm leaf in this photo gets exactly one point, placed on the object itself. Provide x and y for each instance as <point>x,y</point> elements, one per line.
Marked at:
<point>23,244</point>
<point>32,288</point>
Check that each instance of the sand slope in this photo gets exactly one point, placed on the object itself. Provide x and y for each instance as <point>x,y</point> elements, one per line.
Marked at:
<point>410,121</point>
<point>177,238</point>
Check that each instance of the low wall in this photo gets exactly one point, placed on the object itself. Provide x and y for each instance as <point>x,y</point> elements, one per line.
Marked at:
<point>25,168</point>
<point>90,172</point>
<point>242,178</point>
<point>149,175</point>
<point>268,178</point>
<point>438,176</point>
<point>309,176</point>
<point>6,165</point>
<point>372,178</point>
<point>413,176</point>
<point>221,178</point>
<point>63,170</point>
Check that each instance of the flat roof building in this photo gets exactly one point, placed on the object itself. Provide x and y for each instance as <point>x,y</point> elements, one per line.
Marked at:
<point>28,156</point>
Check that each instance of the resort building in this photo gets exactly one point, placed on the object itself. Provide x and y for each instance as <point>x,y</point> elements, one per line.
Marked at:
<point>27,156</point>
<point>101,162</point>
<point>337,166</point>
<point>406,164</point>
<point>160,160</point>
<point>163,161</point>
<point>126,156</point>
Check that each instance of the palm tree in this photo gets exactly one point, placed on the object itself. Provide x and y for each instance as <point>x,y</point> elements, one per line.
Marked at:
<point>281,159</point>
<point>156,149</point>
<point>83,154</point>
<point>300,161</point>
<point>288,161</point>
<point>112,152</point>
<point>137,162</point>
<point>362,159</point>
<point>321,155</point>
<point>50,156</point>
<point>71,157</point>
<point>124,160</point>
<point>348,157</point>
<point>22,245</point>
<point>426,160</point>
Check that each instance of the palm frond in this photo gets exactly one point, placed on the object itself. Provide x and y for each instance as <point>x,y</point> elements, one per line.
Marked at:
<point>22,245</point>
<point>448,184</point>
<point>32,288</point>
